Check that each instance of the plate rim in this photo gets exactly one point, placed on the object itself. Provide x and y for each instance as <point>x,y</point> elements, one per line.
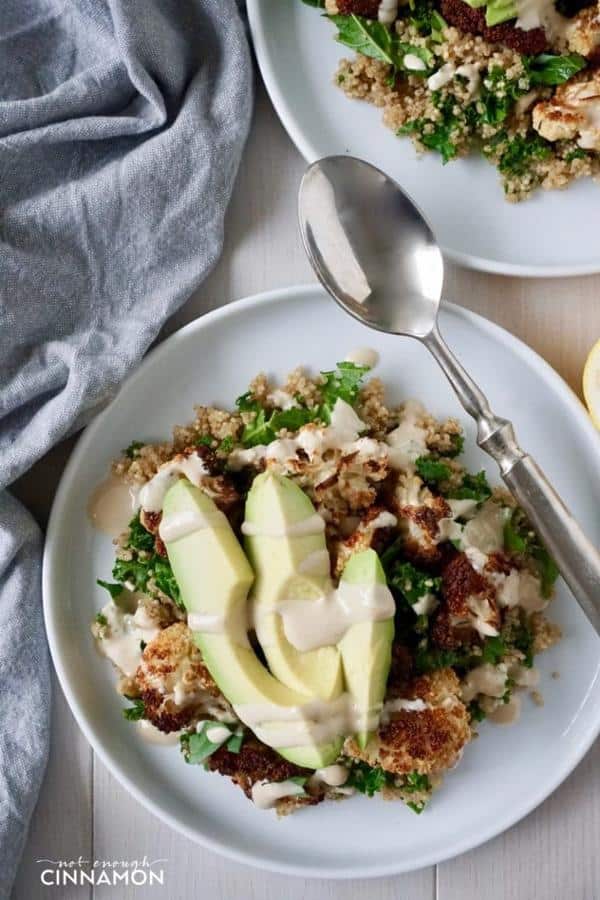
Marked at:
<point>461,844</point>
<point>310,154</point>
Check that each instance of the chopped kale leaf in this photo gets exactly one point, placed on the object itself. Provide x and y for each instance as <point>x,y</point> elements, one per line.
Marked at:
<point>133,449</point>
<point>135,712</point>
<point>115,590</point>
<point>368,779</point>
<point>473,487</point>
<point>432,471</point>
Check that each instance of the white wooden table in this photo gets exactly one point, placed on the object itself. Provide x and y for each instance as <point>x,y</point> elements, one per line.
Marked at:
<point>554,854</point>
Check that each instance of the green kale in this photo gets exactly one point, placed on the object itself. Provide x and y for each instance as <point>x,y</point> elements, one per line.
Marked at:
<point>432,470</point>
<point>440,134</point>
<point>197,747</point>
<point>343,383</point>
<point>473,487</point>
<point>521,540</point>
<point>133,449</point>
<point>475,711</point>
<point>135,712</point>
<point>375,40</point>
<point>497,97</point>
<point>522,152</point>
<point>416,783</point>
<point>522,640</point>
<point>458,445</point>
<point>145,564</point>
<point>577,153</point>
<point>422,15</point>
<point>226,445</point>
<point>493,650</point>
<point>115,590</point>
<point>101,618</point>
<point>412,583</point>
<point>368,779</point>
<point>549,69</point>
<point>205,440</point>
<point>264,427</point>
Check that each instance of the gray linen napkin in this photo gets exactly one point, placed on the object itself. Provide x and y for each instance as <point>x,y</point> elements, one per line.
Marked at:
<point>121,128</point>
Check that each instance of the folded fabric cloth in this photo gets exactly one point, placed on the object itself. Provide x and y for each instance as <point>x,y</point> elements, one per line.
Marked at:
<point>121,128</point>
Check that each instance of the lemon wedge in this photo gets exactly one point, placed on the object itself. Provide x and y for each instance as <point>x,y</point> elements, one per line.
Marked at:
<point>591,383</point>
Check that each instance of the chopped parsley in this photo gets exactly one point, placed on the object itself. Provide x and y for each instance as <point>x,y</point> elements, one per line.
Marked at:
<point>441,134</point>
<point>101,619</point>
<point>473,487</point>
<point>135,712</point>
<point>133,450</point>
<point>428,659</point>
<point>521,540</point>
<point>197,747</point>
<point>577,153</point>
<point>458,444</point>
<point>432,470</point>
<point>416,783</point>
<point>205,440</point>
<point>521,152</point>
<point>368,779</point>
<point>522,640</point>
<point>493,650</point>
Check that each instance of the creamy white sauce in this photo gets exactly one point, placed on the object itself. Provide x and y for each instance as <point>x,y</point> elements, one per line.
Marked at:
<point>111,506</point>
<point>442,77</point>
<point>408,441</point>
<point>363,356</point>
<point>485,531</point>
<point>413,63</point>
<point>470,71</point>
<point>541,14</point>
<point>314,524</point>
<point>387,13</point>
<point>265,794</point>
<point>341,434</point>
<point>121,637</point>
<point>281,399</point>
<point>218,734</point>
<point>152,494</point>
<point>235,624</point>
<point>506,713</point>
<point>186,522</point>
<point>316,563</point>
<point>400,704</point>
<point>485,679</point>
<point>333,776</point>
<point>315,722</point>
<point>309,624</point>
<point>153,735</point>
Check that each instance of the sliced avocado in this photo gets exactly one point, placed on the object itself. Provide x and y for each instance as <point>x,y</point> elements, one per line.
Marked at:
<point>366,648</point>
<point>214,578</point>
<point>499,11</point>
<point>275,507</point>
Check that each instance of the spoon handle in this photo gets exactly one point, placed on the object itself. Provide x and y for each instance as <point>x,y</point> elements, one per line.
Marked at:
<point>575,556</point>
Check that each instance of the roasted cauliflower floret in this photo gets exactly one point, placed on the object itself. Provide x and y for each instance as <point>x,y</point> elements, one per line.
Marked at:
<point>573,112</point>
<point>256,762</point>
<point>469,609</point>
<point>427,738</point>
<point>419,515</point>
<point>372,531</point>
<point>174,683</point>
<point>583,32</point>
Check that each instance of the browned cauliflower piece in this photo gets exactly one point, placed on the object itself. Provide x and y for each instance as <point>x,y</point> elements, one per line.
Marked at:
<point>256,762</point>
<point>372,531</point>
<point>429,739</point>
<point>468,609</point>
<point>583,32</point>
<point>573,112</point>
<point>174,683</point>
<point>419,515</point>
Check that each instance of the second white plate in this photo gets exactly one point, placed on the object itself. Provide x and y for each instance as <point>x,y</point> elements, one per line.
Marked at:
<point>555,233</point>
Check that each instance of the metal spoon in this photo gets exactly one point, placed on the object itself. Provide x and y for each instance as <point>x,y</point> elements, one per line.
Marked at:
<point>372,249</point>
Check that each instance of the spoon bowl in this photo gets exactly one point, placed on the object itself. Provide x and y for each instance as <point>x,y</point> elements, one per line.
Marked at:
<point>370,246</point>
<point>374,252</point>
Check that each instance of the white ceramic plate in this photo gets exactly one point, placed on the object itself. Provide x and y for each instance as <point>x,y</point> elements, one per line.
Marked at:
<point>554,233</point>
<point>503,775</point>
